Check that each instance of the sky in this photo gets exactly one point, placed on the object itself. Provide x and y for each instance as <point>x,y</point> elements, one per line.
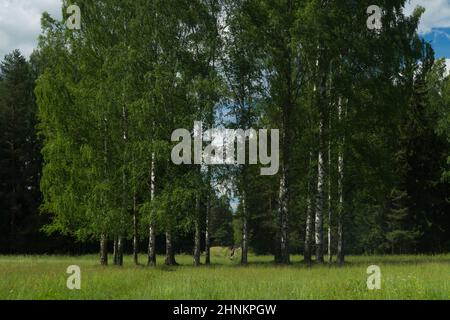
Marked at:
<point>435,25</point>
<point>20,23</point>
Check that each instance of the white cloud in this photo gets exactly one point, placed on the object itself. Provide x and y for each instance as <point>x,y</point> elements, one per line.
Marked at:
<point>447,62</point>
<point>20,22</point>
<point>437,14</point>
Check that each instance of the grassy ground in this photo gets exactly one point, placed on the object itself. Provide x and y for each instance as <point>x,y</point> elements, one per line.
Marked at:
<point>403,277</point>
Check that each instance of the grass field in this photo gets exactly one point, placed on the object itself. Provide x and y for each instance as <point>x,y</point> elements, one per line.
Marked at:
<point>403,277</point>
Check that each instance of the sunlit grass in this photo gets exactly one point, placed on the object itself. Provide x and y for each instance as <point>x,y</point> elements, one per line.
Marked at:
<point>403,277</point>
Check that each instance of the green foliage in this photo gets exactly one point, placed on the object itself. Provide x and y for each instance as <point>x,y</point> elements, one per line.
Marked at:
<point>20,161</point>
<point>110,95</point>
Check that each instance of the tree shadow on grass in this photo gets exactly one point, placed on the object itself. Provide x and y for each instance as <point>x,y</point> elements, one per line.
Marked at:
<point>361,261</point>
<point>400,261</point>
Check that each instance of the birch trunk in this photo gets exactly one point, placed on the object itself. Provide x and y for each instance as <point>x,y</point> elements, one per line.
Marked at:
<point>283,213</point>
<point>120,239</point>
<point>135,233</point>
<point>197,231</point>
<point>151,231</point>
<point>330,255</point>
<point>115,251</point>
<point>309,216</point>
<point>287,110</point>
<point>340,228</point>
<point>152,246</point>
<point>319,199</point>
<point>104,240</point>
<point>321,102</point>
<point>170,255</point>
<point>120,243</point>
<point>244,252</point>
<point>207,227</point>
<point>103,250</point>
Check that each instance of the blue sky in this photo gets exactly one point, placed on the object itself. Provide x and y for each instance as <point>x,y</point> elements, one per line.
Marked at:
<point>440,40</point>
<point>20,23</point>
<point>435,24</point>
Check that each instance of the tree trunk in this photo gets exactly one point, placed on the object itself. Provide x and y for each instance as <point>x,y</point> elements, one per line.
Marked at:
<point>244,252</point>
<point>120,243</point>
<point>151,229</point>
<point>319,199</point>
<point>115,251</point>
<point>330,203</point>
<point>309,216</point>
<point>340,231</point>
<point>151,246</point>
<point>103,250</point>
<point>135,233</point>
<point>104,240</point>
<point>14,202</point>
<point>120,239</point>
<point>321,103</point>
<point>207,227</point>
<point>283,214</point>
<point>197,231</point>
<point>170,255</point>
<point>15,205</point>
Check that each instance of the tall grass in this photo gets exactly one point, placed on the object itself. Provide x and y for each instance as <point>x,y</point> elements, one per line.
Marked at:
<point>403,277</point>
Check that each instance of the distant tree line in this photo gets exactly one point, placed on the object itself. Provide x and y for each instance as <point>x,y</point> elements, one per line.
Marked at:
<point>363,115</point>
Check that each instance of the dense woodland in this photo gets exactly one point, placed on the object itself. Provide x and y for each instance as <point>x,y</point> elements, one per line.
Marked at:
<point>364,116</point>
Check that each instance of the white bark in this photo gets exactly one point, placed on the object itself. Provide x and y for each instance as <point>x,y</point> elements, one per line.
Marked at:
<point>309,215</point>
<point>283,214</point>
<point>135,233</point>
<point>319,199</point>
<point>124,184</point>
<point>103,250</point>
<point>120,251</point>
<point>197,231</point>
<point>170,255</point>
<point>330,254</point>
<point>244,253</point>
<point>207,227</point>
<point>151,231</point>
<point>340,231</point>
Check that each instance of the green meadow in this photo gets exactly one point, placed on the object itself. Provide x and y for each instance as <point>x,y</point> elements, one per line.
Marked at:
<point>403,277</point>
